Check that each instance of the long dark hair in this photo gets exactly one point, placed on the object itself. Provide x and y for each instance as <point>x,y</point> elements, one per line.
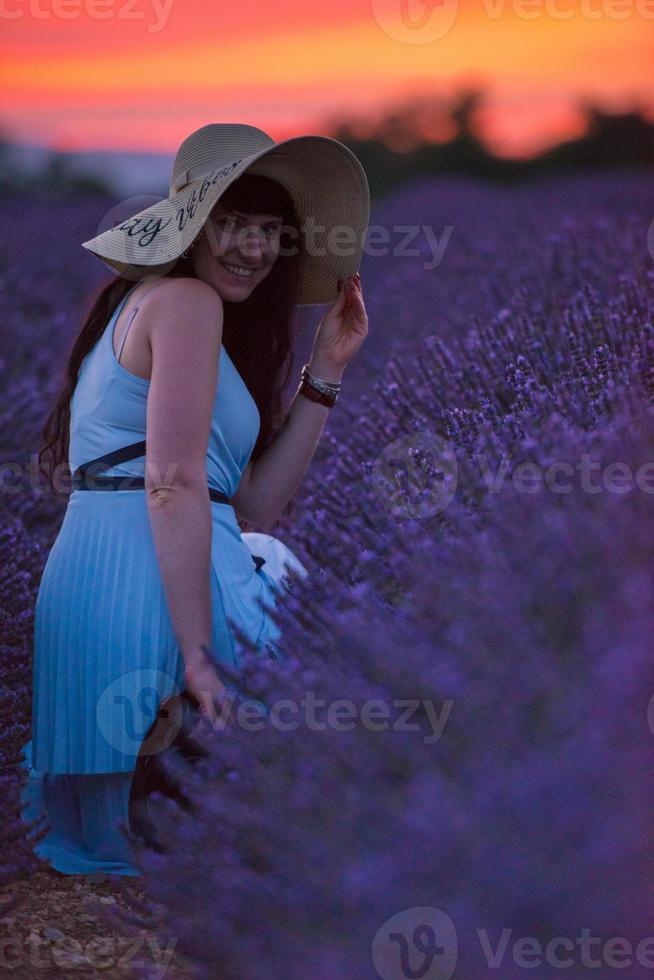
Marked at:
<point>257,333</point>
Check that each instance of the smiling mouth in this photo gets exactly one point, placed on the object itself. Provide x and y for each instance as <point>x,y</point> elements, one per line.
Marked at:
<point>239,271</point>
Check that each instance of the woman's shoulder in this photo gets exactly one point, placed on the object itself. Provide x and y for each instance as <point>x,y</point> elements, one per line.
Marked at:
<point>179,307</point>
<point>182,289</point>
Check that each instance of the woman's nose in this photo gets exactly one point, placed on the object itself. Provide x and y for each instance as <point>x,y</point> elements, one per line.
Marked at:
<point>253,246</point>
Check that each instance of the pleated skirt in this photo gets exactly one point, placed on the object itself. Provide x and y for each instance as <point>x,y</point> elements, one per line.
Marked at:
<point>85,816</point>
<point>105,656</point>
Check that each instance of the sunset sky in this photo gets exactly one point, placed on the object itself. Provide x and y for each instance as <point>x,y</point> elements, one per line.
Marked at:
<point>143,74</point>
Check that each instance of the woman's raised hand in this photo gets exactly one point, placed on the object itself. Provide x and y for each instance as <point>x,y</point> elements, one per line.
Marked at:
<point>343,328</point>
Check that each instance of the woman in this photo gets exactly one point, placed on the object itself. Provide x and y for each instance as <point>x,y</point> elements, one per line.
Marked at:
<point>171,417</point>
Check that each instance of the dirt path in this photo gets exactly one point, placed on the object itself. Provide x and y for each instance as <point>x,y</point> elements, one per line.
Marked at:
<point>54,925</point>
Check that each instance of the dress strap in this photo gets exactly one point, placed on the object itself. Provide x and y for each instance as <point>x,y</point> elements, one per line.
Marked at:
<point>120,352</point>
<point>134,312</point>
<point>123,302</point>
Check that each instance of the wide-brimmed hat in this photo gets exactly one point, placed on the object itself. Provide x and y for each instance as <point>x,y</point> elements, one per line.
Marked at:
<point>324,178</point>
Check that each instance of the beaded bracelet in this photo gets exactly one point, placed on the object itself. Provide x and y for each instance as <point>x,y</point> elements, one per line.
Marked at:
<point>318,390</point>
<point>327,387</point>
<point>314,395</point>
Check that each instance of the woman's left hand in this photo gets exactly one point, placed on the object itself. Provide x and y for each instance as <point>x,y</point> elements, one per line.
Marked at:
<point>343,328</point>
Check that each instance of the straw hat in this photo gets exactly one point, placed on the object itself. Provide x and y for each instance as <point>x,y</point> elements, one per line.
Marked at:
<point>325,179</point>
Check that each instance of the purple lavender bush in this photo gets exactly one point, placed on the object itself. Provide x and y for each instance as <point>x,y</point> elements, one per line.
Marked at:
<point>20,560</point>
<point>480,641</point>
<point>527,632</point>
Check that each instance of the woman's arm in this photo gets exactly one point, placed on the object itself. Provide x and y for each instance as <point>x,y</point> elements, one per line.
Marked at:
<point>276,474</point>
<point>274,477</point>
<point>185,320</point>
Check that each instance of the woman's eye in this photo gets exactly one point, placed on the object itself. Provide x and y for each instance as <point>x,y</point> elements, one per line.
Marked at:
<point>226,222</point>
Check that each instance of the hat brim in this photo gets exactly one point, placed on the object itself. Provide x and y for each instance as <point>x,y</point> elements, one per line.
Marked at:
<point>330,192</point>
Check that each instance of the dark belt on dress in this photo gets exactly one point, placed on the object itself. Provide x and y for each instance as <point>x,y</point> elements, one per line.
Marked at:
<point>81,477</point>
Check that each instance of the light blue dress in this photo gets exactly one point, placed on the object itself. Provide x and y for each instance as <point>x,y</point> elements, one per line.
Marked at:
<point>105,654</point>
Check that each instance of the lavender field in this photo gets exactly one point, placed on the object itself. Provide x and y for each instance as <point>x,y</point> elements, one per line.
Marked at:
<point>478,525</point>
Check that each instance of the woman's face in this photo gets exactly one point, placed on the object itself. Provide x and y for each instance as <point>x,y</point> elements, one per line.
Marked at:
<point>236,251</point>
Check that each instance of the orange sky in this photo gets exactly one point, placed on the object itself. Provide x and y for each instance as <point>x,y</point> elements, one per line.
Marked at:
<point>88,74</point>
